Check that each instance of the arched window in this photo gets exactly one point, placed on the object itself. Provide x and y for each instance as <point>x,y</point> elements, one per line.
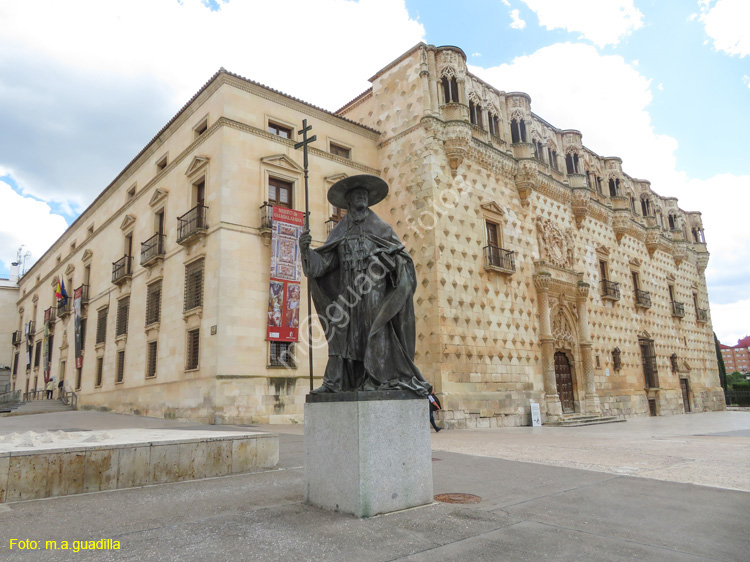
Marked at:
<point>494,124</point>
<point>450,89</point>
<point>672,221</point>
<point>614,187</point>
<point>632,204</point>
<point>645,206</point>
<point>571,161</point>
<point>517,130</point>
<point>475,114</point>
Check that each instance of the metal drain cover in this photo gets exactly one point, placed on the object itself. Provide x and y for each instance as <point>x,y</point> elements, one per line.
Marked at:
<point>457,498</point>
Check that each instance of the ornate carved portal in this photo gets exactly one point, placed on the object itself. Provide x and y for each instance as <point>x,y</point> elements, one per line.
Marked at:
<point>564,380</point>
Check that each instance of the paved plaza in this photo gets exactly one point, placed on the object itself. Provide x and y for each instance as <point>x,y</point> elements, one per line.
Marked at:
<point>667,488</point>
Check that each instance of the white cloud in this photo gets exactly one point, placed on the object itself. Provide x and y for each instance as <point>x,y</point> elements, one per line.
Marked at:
<point>615,121</point>
<point>727,24</point>
<point>517,22</point>
<point>26,221</point>
<point>733,320</point>
<point>603,22</point>
<point>100,78</point>
<point>476,54</point>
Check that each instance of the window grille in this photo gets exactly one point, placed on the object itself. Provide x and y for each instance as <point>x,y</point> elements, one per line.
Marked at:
<point>38,353</point>
<point>648,355</point>
<point>341,151</point>
<point>120,366</point>
<point>281,354</point>
<point>194,285</point>
<point>99,370</point>
<point>153,303</point>
<point>123,311</point>
<point>101,325</point>
<point>193,349</point>
<point>151,363</point>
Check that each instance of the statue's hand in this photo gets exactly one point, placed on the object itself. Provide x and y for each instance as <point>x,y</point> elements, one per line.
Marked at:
<point>304,241</point>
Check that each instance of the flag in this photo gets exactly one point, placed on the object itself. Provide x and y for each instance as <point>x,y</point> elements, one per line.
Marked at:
<point>58,293</point>
<point>63,294</point>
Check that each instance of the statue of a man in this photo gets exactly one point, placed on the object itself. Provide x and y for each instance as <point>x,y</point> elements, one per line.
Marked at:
<point>362,282</point>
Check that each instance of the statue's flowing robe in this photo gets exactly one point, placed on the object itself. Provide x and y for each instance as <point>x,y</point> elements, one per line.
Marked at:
<point>362,281</point>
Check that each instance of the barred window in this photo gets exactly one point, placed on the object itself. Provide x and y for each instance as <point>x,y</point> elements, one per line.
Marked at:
<point>193,349</point>
<point>38,353</point>
<point>83,333</point>
<point>99,370</point>
<point>281,354</point>
<point>153,303</point>
<point>151,363</point>
<point>15,364</point>
<point>101,325</point>
<point>123,311</point>
<point>194,285</point>
<point>120,366</point>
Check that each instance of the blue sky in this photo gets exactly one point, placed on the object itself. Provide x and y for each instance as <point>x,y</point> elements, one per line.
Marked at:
<point>664,84</point>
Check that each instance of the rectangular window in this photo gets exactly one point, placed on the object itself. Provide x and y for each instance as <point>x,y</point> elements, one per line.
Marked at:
<point>342,151</point>
<point>120,366</point>
<point>281,354</point>
<point>101,325</point>
<point>279,130</point>
<point>123,312</point>
<point>201,128</point>
<point>648,357</point>
<point>193,349</point>
<point>151,359</point>
<point>153,303</point>
<point>84,321</point>
<point>199,193</point>
<point>493,235</point>
<point>636,282</point>
<point>38,354</point>
<point>15,364</point>
<point>161,164</point>
<point>280,193</point>
<point>194,285</point>
<point>603,270</point>
<point>99,370</point>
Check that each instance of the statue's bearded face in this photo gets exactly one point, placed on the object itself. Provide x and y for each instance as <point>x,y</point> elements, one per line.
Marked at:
<point>358,200</point>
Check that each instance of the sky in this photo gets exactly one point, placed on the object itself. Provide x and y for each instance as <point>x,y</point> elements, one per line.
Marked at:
<point>663,84</point>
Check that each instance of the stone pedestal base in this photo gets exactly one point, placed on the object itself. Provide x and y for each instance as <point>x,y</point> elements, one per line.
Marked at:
<point>554,407</point>
<point>592,405</point>
<point>367,453</point>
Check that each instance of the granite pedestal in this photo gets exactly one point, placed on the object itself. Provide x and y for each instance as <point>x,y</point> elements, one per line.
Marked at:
<point>367,453</point>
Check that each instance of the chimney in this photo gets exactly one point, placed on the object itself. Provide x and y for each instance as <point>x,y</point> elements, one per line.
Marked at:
<point>14,272</point>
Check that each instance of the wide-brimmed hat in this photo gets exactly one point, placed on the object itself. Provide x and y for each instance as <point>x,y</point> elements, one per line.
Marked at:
<point>376,188</point>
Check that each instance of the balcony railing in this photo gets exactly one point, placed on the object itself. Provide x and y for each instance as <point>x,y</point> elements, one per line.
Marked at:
<point>17,338</point>
<point>152,249</point>
<point>610,290</point>
<point>192,223</point>
<point>122,269</point>
<point>642,298</point>
<point>499,259</point>
<point>30,328</point>
<point>701,315</point>
<point>50,315</point>
<point>331,224</point>
<point>84,294</point>
<point>678,309</point>
<point>64,307</point>
<point>266,216</point>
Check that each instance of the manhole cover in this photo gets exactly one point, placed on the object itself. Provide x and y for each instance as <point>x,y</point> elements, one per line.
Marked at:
<point>457,498</point>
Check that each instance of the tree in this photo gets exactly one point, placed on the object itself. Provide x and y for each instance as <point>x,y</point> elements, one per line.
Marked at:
<point>722,368</point>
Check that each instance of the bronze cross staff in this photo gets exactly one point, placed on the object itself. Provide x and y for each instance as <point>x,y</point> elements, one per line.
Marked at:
<point>303,144</point>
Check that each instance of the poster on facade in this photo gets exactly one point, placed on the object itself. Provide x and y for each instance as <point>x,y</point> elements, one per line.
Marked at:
<point>77,297</point>
<point>286,274</point>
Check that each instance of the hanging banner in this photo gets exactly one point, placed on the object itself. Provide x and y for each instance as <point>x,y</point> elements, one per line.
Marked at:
<point>77,296</point>
<point>286,274</point>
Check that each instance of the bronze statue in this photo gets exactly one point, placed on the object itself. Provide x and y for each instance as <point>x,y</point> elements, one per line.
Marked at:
<point>362,282</point>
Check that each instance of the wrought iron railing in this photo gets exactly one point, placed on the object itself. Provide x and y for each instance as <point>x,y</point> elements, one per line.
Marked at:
<point>266,216</point>
<point>701,314</point>
<point>738,397</point>
<point>17,337</point>
<point>610,289</point>
<point>191,223</point>
<point>64,307</point>
<point>331,224</point>
<point>643,298</point>
<point>50,315</point>
<point>84,294</point>
<point>152,249</point>
<point>496,257</point>
<point>121,269</point>
<point>678,309</point>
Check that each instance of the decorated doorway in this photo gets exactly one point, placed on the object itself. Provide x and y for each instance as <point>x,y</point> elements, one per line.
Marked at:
<point>564,378</point>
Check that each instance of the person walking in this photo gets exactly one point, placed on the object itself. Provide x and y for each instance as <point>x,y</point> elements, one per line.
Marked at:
<point>50,388</point>
<point>60,389</point>
<point>434,407</point>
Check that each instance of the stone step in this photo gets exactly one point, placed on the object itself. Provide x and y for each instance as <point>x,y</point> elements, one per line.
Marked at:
<point>40,407</point>
<point>585,420</point>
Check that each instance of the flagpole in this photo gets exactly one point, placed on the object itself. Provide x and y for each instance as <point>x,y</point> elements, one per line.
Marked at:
<point>303,144</point>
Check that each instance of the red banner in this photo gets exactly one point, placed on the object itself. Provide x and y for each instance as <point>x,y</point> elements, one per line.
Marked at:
<point>286,274</point>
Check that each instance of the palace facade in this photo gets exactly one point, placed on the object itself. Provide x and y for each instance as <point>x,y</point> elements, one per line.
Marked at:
<point>546,272</point>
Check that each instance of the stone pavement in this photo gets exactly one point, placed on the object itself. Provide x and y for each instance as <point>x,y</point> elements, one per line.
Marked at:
<point>529,511</point>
